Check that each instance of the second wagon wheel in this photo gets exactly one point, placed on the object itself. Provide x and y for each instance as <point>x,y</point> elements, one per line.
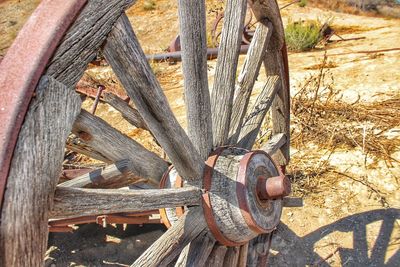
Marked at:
<point>234,195</point>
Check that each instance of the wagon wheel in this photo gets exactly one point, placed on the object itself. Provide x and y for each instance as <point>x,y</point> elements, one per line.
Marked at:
<point>233,197</point>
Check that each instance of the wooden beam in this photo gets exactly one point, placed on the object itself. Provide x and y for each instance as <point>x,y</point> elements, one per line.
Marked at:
<point>81,148</point>
<point>244,249</point>
<point>113,145</point>
<point>192,19</point>
<point>217,256</point>
<point>280,111</point>
<point>29,191</point>
<point>117,175</point>
<point>232,257</point>
<point>169,245</point>
<point>269,9</point>
<point>128,113</point>
<point>124,54</point>
<point>252,123</point>
<point>82,41</point>
<point>75,202</point>
<point>197,252</point>
<point>274,144</point>
<point>247,78</point>
<point>225,71</point>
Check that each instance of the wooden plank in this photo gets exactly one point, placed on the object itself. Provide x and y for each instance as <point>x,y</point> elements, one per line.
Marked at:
<point>232,257</point>
<point>40,146</point>
<point>280,111</point>
<point>124,54</point>
<point>128,113</point>
<point>74,202</point>
<point>117,175</point>
<point>217,256</point>
<point>192,20</point>
<point>244,249</point>
<point>169,246</point>
<point>197,252</point>
<point>82,41</point>
<point>253,121</point>
<point>81,148</point>
<point>225,71</point>
<point>269,9</point>
<point>274,144</point>
<point>113,145</point>
<point>247,78</point>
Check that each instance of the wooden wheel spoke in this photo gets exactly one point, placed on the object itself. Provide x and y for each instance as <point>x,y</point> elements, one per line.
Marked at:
<point>248,76</point>
<point>120,174</point>
<point>225,72</point>
<point>128,113</point>
<point>170,245</point>
<point>251,125</point>
<point>74,202</point>
<point>113,145</point>
<point>124,54</point>
<point>217,256</point>
<point>192,17</point>
<point>197,252</point>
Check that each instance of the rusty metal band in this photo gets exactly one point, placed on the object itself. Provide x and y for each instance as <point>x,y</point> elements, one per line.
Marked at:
<point>242,195</point>
<point>206,201</point>
<point>163,213</point>
<point>22,67</point>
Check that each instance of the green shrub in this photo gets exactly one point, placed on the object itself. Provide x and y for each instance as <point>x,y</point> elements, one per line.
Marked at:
<point>302,3</point>
<point>149,5</point>
<point>302,35</point>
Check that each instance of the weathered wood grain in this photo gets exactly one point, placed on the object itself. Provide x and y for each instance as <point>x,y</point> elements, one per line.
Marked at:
<point>247,78</point>
<point>253,121</point>
<point>274,144</point>
<point>217,256</point>
<point>280,111</point>
<point>126,57</point>
<point>244,249</point>
<point>169,245</point>
<point>74,202</point>
<point>113,145</point>
<point>192,19</point>
<point>232,257</point>
<point>128,113</point>
<point>117,175</point>
<point>81,148</point>
<point>225,70</point>
<point>198,251</point>
<point>269,9</point>
<point>82,41</point>
<point>29,192</point>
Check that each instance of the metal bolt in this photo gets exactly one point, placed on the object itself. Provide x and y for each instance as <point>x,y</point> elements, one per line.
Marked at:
<point>273,188</point>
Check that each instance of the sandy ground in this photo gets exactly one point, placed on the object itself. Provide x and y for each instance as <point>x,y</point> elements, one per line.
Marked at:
<point>348,219</point>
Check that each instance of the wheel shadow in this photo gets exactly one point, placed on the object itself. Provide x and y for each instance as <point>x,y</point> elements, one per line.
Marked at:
<point>292,250</point>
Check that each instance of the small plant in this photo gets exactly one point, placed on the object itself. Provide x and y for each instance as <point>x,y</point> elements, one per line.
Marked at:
<point>302,3</point>
<point>149,5</point>
<point>302,35</point>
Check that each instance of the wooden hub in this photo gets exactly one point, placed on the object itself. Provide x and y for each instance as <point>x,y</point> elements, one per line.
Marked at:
<point>242,194</point>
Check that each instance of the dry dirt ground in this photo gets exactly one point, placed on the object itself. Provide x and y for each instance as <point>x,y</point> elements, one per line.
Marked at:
<point>345,152</point>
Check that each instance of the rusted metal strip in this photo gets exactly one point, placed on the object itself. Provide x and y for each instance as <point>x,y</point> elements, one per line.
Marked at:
<point>22,67</point>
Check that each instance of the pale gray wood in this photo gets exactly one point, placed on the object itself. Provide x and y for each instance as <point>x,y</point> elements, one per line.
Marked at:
<point>232,257</point>
<point>269,9</point>
<point>128,113</point>
<point>82,41</point>
<point>247,77</point>
<point>81,148</point>
<point>217,256</point>
<point>280,111</point>
<point>74,202</point>
<point>126,57</point>
<point>192,19</point>
<point>225,70</point>
<point>274,144</point>
<point>117,175</point>
<point>169,245</point>
<point>197,252</point>
<point>34,173</point>
<point>113,145</point>
<point>253,121</point>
